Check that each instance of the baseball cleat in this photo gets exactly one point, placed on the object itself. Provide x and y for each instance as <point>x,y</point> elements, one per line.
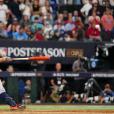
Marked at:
<point>13,108</point>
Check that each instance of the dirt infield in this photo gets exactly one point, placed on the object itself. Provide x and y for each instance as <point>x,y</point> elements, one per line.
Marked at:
<point>58,112</point>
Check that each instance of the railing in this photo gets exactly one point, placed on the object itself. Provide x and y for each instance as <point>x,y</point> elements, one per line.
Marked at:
<point>35,87</point>
<point>53,74</point>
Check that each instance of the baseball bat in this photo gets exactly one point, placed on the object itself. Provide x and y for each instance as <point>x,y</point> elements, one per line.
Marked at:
<point>37,58</point>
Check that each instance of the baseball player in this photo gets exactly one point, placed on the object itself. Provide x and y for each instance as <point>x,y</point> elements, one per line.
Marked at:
<point>3,94</point>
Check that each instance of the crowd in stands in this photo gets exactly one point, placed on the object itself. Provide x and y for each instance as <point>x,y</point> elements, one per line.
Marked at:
<point>42,20</point>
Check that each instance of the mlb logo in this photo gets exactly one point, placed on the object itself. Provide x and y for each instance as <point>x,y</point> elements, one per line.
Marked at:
<point>3,51</point>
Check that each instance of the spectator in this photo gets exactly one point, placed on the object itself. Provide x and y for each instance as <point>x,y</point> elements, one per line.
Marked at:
<point>70,16</point>
<point>107,3</point>
<point>63,87</point>
<point>79,27</point>
<point>25,21</point>
<point>3,31</point>
<point>58,27</point>
<point>106,94</point>
<point>58,67</point>
<point>12,29</point>
<point>107,22</point>
<point>4,12</point>
<point>56,35</point>
<point>10,69</point>
<point>28,86</point>
<point>49,18</point>
<point>93,32</point>
<point>54,91</point>
<point>37,24</point>
<point>44,10</point>
<point>71,36</point>
<point>20,35</point>
<point>47,29</point>
<point>15,11</point>
<point>35,8</point>
<point>29,33</point>
<point>96,8</point>
<point>65,38</point>
<point>14,26</point>
<point>53,4</point>
<point>111,3</point>
<point>75,16</point>
<point>39,36</point>
<point>78,65</point>
<point>94,18</point>
<point>69,26</point>
<point>74,36</point>
<point>25,9</point>
<point>21,5</point>
<point>27,93</point>
<point>43,16</point>
<point>65,16</point>
<point>86,8</point>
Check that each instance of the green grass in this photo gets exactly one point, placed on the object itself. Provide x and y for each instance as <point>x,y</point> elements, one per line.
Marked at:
<point>72,107</point>
<point>63,107</point>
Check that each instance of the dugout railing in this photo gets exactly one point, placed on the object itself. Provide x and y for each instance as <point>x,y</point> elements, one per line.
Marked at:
<point>40,81</point>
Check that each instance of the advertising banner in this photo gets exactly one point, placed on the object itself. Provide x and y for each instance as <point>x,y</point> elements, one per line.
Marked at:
<point>65,52</point>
